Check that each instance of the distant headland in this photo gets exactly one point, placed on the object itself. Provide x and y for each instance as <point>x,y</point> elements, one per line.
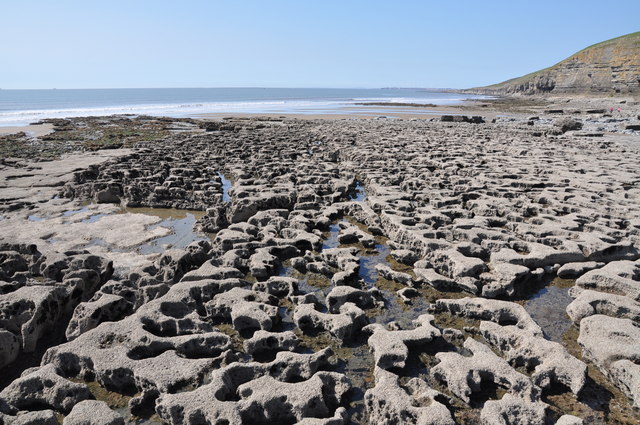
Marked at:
<point>608,68</point>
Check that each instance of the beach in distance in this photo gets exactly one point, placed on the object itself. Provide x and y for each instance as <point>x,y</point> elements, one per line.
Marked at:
<point>21,107</point>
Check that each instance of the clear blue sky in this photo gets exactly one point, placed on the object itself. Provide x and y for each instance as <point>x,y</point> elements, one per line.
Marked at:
<point>302,43</point>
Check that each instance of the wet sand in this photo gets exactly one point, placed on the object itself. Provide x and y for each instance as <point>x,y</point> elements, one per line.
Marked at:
<point>32,130</point>
<point>372,112</point>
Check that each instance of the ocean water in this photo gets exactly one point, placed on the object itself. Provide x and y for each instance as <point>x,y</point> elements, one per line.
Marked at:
<point>20,107</point>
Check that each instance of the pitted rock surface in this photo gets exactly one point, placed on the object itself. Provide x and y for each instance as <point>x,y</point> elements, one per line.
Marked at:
<point>39,294</point>
<point>356,272</point>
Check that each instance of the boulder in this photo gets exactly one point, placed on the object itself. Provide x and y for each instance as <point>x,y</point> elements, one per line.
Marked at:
<point>93,412</point>
<point>550,361</point>
<point>612,345</point>
<point>568,124</point>
<point>501,312</point>
<point>575,270</point>
<point>44,387</point>
<point>391,347</point>
<point>588,303</point>
<point>341,295</point>
<point>342,325</point>
<point>414,403</point>
<point>262,341</point>
<point>464,375</point>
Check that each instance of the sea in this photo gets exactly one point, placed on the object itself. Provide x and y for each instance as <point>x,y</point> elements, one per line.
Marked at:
<point>22,107</point>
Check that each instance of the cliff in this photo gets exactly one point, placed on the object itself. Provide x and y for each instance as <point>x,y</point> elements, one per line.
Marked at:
<point>610,67</point>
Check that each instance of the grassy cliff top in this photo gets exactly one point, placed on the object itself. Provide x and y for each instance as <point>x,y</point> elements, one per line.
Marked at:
<point>628,42</point>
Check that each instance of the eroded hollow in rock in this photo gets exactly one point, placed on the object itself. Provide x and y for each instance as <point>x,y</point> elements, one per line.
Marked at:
<point>403,254</point>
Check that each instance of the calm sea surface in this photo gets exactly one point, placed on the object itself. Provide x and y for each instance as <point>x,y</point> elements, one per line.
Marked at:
<point>18,107</point>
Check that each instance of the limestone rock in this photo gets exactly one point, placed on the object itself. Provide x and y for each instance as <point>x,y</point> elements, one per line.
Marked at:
<point>343,325</point>
<point>575,270</point>
<point>618,277</point>
<point>443,283</point>
<point>464,375</point>
<point>501,312</point>
<point>38,417</point>
<point>44,387</point>
<point>271,341</point>
<point>391,348</point>
<point>389,403</point>
<point>511,410</point>
<point>589,302</point>
<point>341,295</point>
<point>88,315</point>
<point>550,361</point>
<point>93,412</point>
<point>611,344</point>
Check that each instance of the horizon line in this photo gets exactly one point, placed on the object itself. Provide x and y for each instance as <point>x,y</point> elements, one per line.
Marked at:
<point>239,87</point>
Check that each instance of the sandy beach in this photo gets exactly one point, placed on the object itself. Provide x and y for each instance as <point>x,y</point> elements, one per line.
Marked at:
<point>359,112</point>
<point>489,109</point>
<point>32,130</point>
<point>373,112</point>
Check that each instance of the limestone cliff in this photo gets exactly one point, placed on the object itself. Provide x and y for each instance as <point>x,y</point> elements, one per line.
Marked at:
<point>610,67</point>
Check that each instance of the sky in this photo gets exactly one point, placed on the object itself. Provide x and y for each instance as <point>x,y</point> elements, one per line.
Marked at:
<point>295,43</point>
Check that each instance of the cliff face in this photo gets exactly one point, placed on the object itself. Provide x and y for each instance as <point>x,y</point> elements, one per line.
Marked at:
<point>610,67</point>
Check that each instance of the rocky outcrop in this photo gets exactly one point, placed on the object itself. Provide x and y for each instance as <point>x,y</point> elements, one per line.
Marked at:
<point>93,412</point>
<point>390,403</point>
<point>341,234</point>
<point>344,324</point>
<point>500,312</point>
<point>284,391</point>
<point>612,344</point>
<point>391,347</point>
<point>609,67</point>
<point>41,292</point>
<point>44,387</point>
<point>464,375</point>
<point>552,365</point>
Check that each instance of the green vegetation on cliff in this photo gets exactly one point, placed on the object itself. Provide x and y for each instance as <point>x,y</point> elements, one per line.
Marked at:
<point>609,67</point>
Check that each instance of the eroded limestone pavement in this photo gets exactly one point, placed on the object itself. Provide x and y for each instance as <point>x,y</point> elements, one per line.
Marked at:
<point>361,271</point>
